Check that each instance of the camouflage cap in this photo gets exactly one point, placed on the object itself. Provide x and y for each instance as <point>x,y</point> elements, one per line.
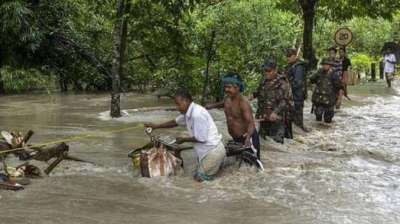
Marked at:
<point>269,64</point>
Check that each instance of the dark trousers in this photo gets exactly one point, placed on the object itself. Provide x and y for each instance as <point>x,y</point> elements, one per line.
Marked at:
<point>255,143</point>
<point>298,114</point>
<point>325,111</point>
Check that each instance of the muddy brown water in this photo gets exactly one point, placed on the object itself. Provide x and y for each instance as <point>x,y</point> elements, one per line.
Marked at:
<point>348,172</point>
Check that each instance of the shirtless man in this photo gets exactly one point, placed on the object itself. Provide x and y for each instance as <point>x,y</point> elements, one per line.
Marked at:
<point>238,112</point>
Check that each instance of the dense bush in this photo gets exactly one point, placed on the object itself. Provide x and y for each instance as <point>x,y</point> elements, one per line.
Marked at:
<point>21,80</point>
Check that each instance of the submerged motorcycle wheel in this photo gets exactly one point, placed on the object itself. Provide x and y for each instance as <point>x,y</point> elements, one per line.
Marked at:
<point>251,160</point>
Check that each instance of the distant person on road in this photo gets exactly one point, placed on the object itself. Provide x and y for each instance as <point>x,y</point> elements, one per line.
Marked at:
<point>344,76</point>
<point>389,59</point>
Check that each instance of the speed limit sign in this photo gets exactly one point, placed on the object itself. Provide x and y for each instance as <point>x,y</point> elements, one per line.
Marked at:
<point>343,36</point>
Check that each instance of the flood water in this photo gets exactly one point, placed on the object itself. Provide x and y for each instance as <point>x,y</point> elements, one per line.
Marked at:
<point>348,172</point>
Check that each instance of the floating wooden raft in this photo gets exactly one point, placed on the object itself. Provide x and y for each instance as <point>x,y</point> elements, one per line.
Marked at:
<point>15,144</point>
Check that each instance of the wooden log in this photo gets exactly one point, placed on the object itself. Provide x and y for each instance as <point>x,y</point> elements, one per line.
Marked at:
<point>73,158</point>
<point>4,146</point>
<point>45,154</point>
<point>27,136</point>
<point>53,165</point>
<point>23,154</point>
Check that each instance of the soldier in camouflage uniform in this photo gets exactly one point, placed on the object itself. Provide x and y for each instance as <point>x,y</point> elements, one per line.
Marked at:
<point>327,86</point>
<point>296,74</point>
<point>274,102</point>
<point>337,68</point>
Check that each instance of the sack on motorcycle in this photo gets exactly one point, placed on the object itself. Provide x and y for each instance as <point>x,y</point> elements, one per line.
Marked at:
<point>159,162</point>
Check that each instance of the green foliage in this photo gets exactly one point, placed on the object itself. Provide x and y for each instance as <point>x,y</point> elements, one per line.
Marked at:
<point>342,10</point>
<point>335,11</point>
<point>395,28</point>
<point>370,35</point>
<point>170,42</point>
<point>361,62</point>
<point>21,80</point>
<point>247,33</point>
<point>19,34</point>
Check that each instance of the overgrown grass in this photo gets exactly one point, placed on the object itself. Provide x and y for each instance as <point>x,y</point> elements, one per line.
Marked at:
<point>16,80</point>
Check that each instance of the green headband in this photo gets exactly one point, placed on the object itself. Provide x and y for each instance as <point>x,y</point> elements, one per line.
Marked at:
<point>233,81</point>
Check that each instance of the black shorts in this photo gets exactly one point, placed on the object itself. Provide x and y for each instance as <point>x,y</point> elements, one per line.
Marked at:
<point>254,140</point>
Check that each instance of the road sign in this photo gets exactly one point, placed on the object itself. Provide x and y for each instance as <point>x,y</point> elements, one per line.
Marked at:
<point>343,36</point>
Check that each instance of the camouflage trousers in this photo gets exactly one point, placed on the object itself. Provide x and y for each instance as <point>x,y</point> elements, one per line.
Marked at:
<point>325,111</point>
<point>275,130</point>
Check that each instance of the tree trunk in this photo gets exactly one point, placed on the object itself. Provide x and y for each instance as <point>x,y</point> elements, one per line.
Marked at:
<point>373,72</point>
<point>63,82</point>
<point>210,55</point>
<point>308,7</point>
<point>124,40</point>
<point>77,85</point>
<point>2,90</point>
<point>120,32</point>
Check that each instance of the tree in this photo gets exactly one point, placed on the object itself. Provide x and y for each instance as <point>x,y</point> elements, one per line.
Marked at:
<point>338,10</point>
<point>120,38</point>
<point>244,34</point>
<point>84,44</point>
<point>209,54</point>
<point>17,31</point>
<point>55,38</point>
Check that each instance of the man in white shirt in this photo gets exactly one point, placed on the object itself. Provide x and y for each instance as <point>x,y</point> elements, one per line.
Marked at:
<point>390,62</point>
<point>203,132</point>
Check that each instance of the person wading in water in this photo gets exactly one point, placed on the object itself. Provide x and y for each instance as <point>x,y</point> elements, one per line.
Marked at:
<point>210,150</point>
<point>275,101</point>
<point>344,76</point>
<point>238,112</point>
<point>296,74</point>
<point>389,67</point>
<point>327,84</point>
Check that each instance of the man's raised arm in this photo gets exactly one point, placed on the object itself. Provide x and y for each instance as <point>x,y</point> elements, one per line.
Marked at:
<point>168,124</point>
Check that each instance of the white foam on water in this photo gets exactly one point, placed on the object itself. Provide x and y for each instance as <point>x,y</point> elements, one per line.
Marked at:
<point>87,169</point>
<point>134,116</point>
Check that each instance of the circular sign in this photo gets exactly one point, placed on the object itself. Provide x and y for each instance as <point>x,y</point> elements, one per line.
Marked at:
<point>343,36</point>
